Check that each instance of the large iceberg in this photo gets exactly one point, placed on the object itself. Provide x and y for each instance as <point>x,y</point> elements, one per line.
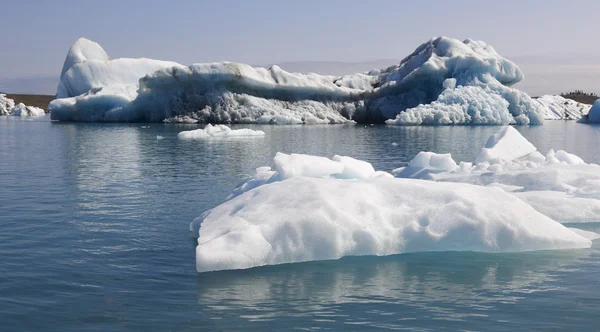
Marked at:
<point>558,184</point>
<point>315,208</point>
<point>444,81</point>
<point>8,107</point>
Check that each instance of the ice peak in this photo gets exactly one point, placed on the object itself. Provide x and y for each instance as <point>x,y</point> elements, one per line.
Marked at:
<point>83,49</point>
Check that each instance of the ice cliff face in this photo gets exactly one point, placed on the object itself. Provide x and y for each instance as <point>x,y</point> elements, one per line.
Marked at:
<point>444,82</point>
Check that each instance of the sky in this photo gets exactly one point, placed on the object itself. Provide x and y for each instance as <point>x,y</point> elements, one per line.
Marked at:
<point>36,35</point>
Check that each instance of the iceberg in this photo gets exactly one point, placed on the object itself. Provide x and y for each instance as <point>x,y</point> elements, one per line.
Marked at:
<point>594,114</point>
<point>8,107</point>
<point>560,108</point>
<point>559,184</point>
<point>218,131</point>
<point>316,208</point>
<point>88,67</point>
<point>22,110</point>
<point>444,81</point>
<point>507,144</point>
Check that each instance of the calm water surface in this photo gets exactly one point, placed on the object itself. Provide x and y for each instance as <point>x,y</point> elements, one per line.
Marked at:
<point>94,237</point>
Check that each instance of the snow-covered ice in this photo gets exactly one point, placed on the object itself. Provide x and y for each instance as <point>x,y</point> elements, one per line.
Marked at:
<point>559,184</point>
<point>87,67</point>
<point>6,104</point>
<point>316,208</point>
<point>507,144</point>
<point>22,110</point>
<point>444,81</point>
<point>560,108</point>
<point>8,107</point>
<point>218,131</point>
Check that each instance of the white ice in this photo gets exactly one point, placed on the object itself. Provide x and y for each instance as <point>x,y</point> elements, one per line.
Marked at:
<point>218,131</point>
<point>560,108</point>
<point>8,107</point>
<point>87,67</point>
<point>559,184</point>
<point>507,144</point>
<point>23,110</point>
<point>445,81</point>
<point>316,208</point>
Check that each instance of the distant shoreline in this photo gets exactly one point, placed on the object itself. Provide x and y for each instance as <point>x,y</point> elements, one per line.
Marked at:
<point>40,101</point>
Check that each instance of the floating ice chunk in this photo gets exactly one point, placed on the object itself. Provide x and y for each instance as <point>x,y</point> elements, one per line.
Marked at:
<point>560,185</point>
<point>560,108</point>
<point>218,131</point>
<point>292,165</point>
<point>562,206</point>
<point>6,105</point>
<point>564,157</point>
<point>22,110</point>
<point>424,164</point>
<point>586,234</point>
<point>507,144</point>
<point>445,81</point>
<point>354,168</point>
<point>305,218</point>
<point>433,160</point>
<point>158,137</point>
<point>594,114</point>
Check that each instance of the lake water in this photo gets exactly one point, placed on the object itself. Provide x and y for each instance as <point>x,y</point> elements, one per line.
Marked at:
<point>94,236</point>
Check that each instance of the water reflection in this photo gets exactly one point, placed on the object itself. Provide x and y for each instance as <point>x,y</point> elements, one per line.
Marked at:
<point>446,286</point>
<point>95,233</point>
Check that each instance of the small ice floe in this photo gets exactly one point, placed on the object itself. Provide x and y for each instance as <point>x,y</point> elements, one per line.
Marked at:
<point>218,131</point>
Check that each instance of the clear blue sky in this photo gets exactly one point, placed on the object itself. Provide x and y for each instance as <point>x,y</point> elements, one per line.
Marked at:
<point>37,34</point>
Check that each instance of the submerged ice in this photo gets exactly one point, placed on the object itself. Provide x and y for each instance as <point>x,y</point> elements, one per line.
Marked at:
<point>444,81</point>
<point>512,198</point>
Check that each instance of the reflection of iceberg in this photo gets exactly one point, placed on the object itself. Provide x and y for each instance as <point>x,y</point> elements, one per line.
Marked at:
<point>444,81</point>
<point>391,291</point>
<point>95,176</point>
